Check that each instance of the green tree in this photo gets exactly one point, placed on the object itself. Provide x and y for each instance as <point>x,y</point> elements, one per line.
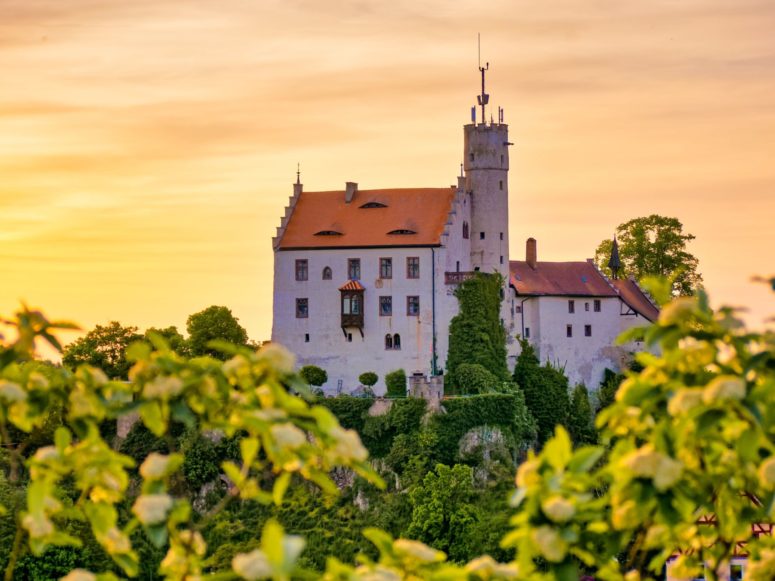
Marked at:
<point>176,341</point>
<point>443,510</point>
<point>210,324</point>
<point>545,389</point>
<point>313,375</point>
<point>473,378</point>
<point>654,246</point>
<point>476,334</point>
<point>103,347</point>
<point>580,418</point>
<point>395,381</point>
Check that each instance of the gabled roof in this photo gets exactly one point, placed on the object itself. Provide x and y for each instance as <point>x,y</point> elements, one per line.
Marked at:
<point>420,210</point>
<point>573,279</point>
<point>635,298</point>
<point>352,285</point>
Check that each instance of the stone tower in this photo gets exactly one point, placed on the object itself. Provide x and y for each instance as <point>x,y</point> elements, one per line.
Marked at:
<point>486,165</point>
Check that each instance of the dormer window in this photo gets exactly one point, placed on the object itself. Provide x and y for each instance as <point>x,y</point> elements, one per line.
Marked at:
<point>402,232</point>
<point>369,205</point>
<point>328,233</point>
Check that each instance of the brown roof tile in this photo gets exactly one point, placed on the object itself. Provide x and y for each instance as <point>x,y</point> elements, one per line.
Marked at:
<point>578,279</point>
<point>636,299</point>
<point>421,210</point>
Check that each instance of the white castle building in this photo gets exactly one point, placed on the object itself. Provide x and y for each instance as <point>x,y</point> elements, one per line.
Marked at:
<point>364,279</point>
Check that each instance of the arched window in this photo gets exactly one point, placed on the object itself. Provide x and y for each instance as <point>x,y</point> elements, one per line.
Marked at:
<point>327,274</point>
<point>465,230</point>
<point>388,341</point>
<point>396,341</point>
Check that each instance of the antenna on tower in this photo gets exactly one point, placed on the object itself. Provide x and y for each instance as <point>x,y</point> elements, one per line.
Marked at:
<point>484,98</point>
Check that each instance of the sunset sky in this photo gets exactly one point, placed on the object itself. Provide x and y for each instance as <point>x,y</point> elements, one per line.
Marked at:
<point>147,148</point>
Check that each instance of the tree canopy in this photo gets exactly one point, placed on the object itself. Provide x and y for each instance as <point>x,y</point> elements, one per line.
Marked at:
<point>213,323</point>
<point>654,246</point>
<point>103,347</point>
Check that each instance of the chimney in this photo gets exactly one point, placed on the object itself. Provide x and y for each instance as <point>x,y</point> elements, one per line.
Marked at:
<point>531,253</point>
<point>349,192</point>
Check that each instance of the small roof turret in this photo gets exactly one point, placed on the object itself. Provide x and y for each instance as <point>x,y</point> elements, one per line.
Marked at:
<point>614,263</point>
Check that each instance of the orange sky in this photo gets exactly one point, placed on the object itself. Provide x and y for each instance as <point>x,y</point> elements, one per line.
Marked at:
<point>147,148</point>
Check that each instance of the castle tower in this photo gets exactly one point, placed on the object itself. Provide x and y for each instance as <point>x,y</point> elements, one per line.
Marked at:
<point>486,165</point>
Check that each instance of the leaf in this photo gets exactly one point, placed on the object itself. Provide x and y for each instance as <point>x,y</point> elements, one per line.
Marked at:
<point>584,459</point>
<point>62,439</point>
<point>152,417</point>
<point>248,450</point>
<point>138,351</point>
<point>558,450</point>
<point>272,542</point>
<point>280,486</point>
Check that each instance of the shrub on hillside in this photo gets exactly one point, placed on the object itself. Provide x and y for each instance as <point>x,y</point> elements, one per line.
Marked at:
<point>474,378</point>
<point>395,381</point>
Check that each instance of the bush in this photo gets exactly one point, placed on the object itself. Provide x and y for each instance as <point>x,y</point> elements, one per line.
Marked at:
<point>475,379</point>
<point>313,375</point>
<point>396,383</point>
<point>368,379</point>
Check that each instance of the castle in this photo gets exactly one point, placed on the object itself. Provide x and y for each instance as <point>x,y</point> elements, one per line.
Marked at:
<point>364,279</point>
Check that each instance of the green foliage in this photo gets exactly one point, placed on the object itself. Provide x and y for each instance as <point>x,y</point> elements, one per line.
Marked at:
<point>313,375</point>
<point>654,246</point>
<point>350,411</point>
<point>202,461</point>
<point>545,389</point>
<point>103,347</point>
<point>213,324</point>
<point>580,420</point>
<point>506,412</point>
<point>79,480</point>
<point>443,512</point>
<point>172,336</point>
<point>473,378</point>
<point>476,334</point>
<point>395,381</point>
<point>368,379</point>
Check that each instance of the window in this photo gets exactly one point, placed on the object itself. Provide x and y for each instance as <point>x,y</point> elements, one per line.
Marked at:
<point>518,309</point>
<point>465,230</point>
<point>302,267</point>
<point>386,268</point>
<point>471,156</point>
<point>481,235</point>
<point>354,268</point>
<point>351,304</point>
<point>396,341</point>
<point>349,337</point>
<point>571,307</point>
<point>586,306</point>
<point>527,332</point>
<point>388,341</point>
<point>569,331</point>
<point>302,308</point>
<point>597,305</point>
<point>587,330</point>
<point>501,235</point>
<point>413,306</point>
<point>736,572</point>
<point>501,259</point>
<point>500,184</point>
<point>327,273</point>
<point>457,266</point>
<point>385,306</point>
<point>306,337</point>
<point>413,267</point>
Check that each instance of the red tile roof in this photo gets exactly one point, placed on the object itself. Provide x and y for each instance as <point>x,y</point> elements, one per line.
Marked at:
<point>577,279</point>
<point>420,210</point>
<point>631,294</point>
<point>352,285</point>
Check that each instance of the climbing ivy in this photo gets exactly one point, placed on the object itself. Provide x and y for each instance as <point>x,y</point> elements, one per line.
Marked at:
<point>476,334</point>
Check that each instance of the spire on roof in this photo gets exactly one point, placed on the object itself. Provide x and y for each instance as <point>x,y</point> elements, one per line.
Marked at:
<point>614,263</point>
<point>298,173</point>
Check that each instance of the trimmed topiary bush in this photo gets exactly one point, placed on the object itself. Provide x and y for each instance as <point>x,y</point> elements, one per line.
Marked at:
<point>474,378</point>
<point>368,379</point>
<point>313,375</point>
<point>396,383</point>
